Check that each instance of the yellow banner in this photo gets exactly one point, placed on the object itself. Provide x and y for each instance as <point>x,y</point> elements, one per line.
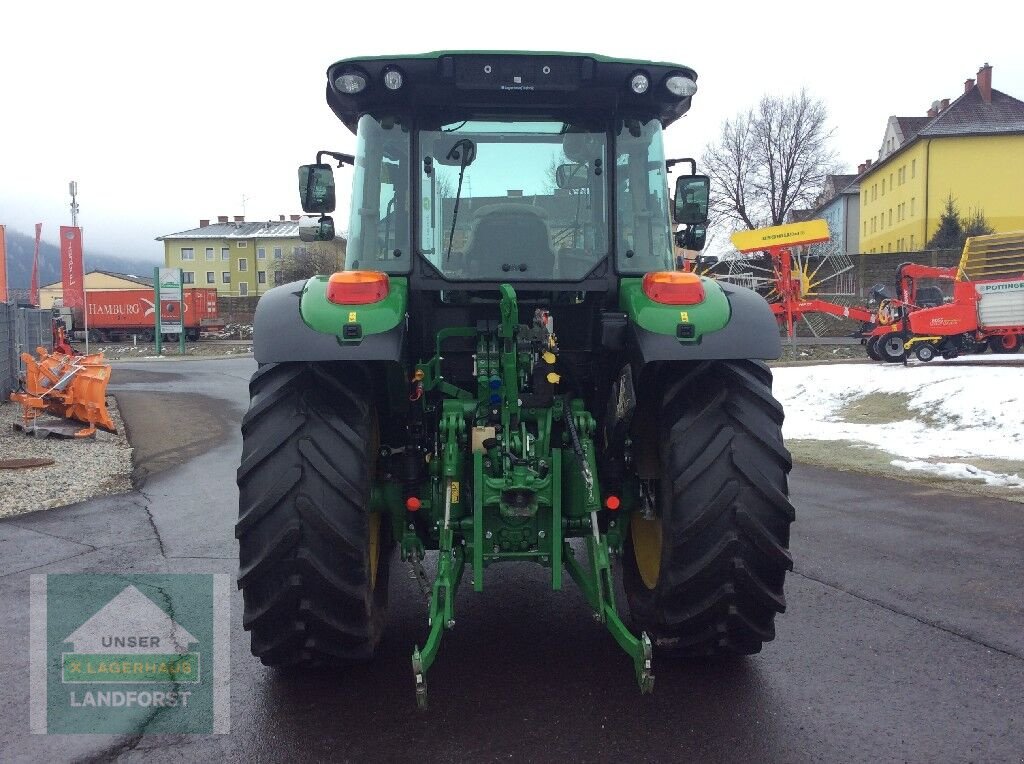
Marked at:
<point>790,235</point>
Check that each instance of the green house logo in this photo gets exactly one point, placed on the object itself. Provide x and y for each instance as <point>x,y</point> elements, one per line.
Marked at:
<point>130,654</point>
<point>131,640</point>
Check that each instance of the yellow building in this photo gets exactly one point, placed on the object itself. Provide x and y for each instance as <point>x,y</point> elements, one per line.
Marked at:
<point>52,295</point>
<point>971,149</point>
<point>238,257</point>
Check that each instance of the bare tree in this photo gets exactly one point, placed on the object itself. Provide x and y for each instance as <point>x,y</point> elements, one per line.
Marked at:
<point>313,259</point>
<point>769,161</point>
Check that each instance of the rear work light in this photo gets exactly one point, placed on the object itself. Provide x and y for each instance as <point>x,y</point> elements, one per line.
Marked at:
<point>674,287</point>
<point>357,287</point>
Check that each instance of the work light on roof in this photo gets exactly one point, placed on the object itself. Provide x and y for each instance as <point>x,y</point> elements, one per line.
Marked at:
<point>639,83</point>
<point>350,82</point>
<point>393,79</point>
<point>680,85</point>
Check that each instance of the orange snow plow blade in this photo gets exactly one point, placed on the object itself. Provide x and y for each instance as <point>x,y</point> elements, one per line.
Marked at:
<point>73,387</point>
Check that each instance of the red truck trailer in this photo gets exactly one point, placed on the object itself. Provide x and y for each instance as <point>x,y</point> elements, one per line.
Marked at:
<point>117,314</point>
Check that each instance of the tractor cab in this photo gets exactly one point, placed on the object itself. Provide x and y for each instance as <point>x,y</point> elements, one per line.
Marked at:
<point>475,169</point>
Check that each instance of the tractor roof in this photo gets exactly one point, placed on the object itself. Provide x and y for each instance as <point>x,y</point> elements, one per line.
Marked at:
<point>452,85</point>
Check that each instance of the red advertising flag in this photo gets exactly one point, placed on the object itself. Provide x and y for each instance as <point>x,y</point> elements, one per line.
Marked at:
<point>33,290</point>
<point>3,264</point>
<point>71,266</point>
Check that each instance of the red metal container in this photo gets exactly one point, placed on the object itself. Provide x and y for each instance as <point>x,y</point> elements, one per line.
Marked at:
<point>115,313</point>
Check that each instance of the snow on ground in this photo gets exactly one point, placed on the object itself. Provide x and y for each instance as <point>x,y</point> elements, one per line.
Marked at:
<point>960,413</point>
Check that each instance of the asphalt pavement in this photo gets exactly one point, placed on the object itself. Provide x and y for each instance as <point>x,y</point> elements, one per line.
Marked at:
<point>903,640</point>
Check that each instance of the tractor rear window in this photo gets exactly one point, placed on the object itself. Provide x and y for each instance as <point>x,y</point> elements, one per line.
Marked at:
<point>513,200</point>
<point>378,228</point>
<point>643,240</point>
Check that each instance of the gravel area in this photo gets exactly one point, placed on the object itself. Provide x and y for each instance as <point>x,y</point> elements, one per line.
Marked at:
<point>113,351</point>
<point>83,468</point>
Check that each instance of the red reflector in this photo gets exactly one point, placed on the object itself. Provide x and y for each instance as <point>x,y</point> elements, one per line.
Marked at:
<point>412,504</point>
<point>674,287</point>
<point>357,287</point>
<point>612,502</point>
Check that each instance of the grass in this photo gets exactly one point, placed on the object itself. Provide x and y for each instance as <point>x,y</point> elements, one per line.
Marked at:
<point>850,456</point>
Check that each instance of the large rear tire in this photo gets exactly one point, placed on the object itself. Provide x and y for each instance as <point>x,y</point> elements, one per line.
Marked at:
<point>313,559</point>
<point>705,575</point>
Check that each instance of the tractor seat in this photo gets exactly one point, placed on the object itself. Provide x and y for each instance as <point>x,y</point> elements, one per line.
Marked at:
<point>510,238</point>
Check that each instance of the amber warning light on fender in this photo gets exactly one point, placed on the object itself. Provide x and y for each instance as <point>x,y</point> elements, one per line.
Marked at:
<point>674,287</point>
<point>357,287</point>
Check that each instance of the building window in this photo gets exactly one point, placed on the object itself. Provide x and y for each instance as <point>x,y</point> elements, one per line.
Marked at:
<point>209,253</point>
<point>278,278</point>
<point>865,228</point>
<point>225,277</point>
<point>261,253</point>
<point>913,168</point>
<point>865,197</point>
<point>188,277</point>
<point>243,264</point>
<point>911,241</point>
<point>187,253</point>
<point>211,277</point>
<point>243,244</point>
<point>913,203</point>
<point>261,277</point>
<point>890,216</point>
<point>297,250</point>
<point>225,253</point>
<point>883,186</point>
<point>243,289</point>
<point>278,254</point>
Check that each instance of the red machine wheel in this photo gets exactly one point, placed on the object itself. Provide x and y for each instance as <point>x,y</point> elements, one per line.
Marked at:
<point>890,347</point>
<point>1005,343</point>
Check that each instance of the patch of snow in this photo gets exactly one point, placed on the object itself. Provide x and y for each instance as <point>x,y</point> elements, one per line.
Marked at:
<point>961,470</point>
<point>959,412</point>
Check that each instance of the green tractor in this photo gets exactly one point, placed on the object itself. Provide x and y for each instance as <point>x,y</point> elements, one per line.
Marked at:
<point>513,367</point>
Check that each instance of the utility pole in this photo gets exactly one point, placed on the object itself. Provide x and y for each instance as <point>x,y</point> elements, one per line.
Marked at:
<point>73,190</point>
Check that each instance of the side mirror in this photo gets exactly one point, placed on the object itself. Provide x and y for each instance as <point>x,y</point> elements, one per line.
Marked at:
<point>571,176</point>
<point>696,236</point>
<point>316,188</point>
<point>690,206</point>
<point>316,229</point>
<point>693,237</point>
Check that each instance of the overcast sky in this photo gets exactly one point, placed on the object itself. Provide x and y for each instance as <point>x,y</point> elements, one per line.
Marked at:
<point>166,113</point>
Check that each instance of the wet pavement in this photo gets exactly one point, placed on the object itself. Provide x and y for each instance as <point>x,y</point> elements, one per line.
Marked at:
<point>904,638</point>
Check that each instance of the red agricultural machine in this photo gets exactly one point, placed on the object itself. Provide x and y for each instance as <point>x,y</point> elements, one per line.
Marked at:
<point>985,310</point>
<point>795,282</point>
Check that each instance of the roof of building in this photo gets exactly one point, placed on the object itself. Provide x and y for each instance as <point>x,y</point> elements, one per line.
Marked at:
<point>911,126</point>
<point>970,115</point>
<point>140,280</point>
<point>967,115</point>
<point>264,229</point>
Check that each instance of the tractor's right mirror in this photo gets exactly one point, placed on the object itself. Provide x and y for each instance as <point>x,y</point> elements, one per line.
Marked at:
<point>696,235</point>
<point>690,206</point>
<point>316,188</point>
<point>316,229</point>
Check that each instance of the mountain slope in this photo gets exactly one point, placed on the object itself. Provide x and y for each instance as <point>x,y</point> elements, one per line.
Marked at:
<point>19,261</point>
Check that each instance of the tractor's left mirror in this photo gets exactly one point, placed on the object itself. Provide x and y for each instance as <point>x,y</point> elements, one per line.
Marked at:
<point>317,229</point>
<point>691,203</point>
<point>572,176</point>
<point>316,188</point>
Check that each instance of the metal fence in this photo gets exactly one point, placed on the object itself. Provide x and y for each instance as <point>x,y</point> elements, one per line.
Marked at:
<point>22,330</point>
